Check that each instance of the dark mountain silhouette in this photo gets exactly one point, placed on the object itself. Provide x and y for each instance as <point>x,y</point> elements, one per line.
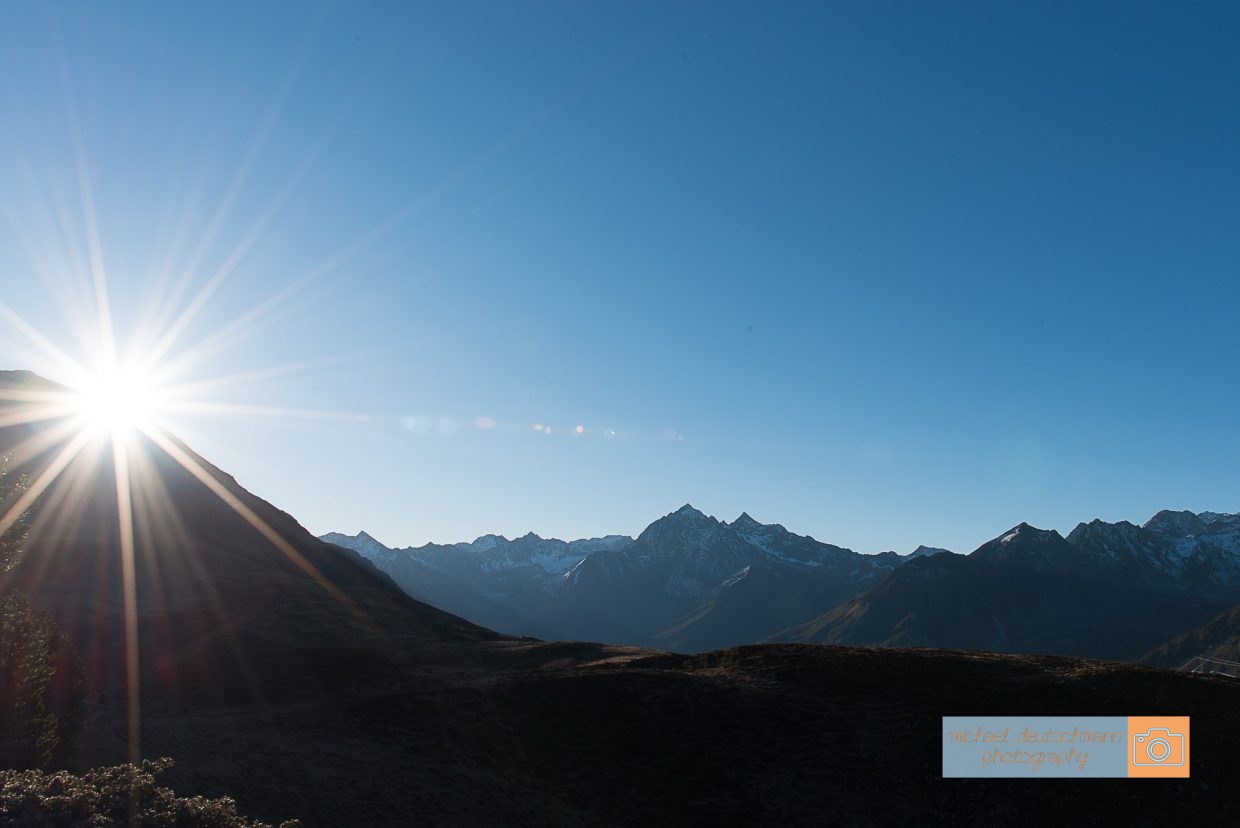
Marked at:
<point>1218,638</point>
<point>692,583</point>
<point>309,685</point>
<point>464,579</point>
<point>758,597</point>
<point>1108,590</point>
<point>688,581</point>
<point>205,577</point>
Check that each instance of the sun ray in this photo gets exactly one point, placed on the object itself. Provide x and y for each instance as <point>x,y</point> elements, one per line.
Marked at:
<point>248,324</point>
<point>158,522</point>
<point>42,440</point>
<point>124,513</point>
<point>225,270</point>
<point>248,515</point>
<point>59,505</point>
<point>45,479</point>
<point>40,260</point>
<point>159,300</point>
<point>191,390</point>
<point>74,370</point>
<point>236,185</point>
<point>90,218</point>
<point>263,412</point>
<point>27,414</point>
<point>63,240</point>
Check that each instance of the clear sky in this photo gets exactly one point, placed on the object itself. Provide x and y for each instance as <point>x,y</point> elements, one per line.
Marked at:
<point>886,273</point>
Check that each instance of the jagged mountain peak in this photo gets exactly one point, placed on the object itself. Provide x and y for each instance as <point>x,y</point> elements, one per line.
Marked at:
<point>362,536</point>
<point>1025,532</point>
<point>1182,524</point>
<point>1101,530</point>
<point>488,541</point>
<point>1186,524</point>
<point>928,551</point>
<point>687,522</point>
<point>750,528</point>
<point>1027,545</point>
<point>744,521</point>
<point>363,543</point>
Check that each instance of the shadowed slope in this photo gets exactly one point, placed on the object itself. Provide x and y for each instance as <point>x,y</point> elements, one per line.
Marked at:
<point>1218,638</point>
<point>1028,590</point>
<point>223,613</point>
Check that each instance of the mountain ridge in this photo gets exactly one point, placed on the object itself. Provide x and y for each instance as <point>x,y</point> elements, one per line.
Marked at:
<point>698,583</point>
<point>634,589</point>
<point>1107,590</point>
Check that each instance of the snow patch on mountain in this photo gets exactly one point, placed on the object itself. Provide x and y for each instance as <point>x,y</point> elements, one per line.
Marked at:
<point>361,543</point>
<point>735,578</point>
<point>927,552</point>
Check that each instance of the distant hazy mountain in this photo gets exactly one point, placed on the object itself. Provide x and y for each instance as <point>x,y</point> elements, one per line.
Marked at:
<point>688,582</point>
<point>499,583</point>
<point>1111,590</point>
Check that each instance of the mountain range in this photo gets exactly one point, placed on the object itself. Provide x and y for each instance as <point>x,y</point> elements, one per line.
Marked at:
<point>688,582</point>
<point>692,583</point>
<point>295,677</point>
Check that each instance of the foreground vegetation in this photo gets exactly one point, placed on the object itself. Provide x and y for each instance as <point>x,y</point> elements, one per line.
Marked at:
<point>121,795</point>
<point>42,704</point>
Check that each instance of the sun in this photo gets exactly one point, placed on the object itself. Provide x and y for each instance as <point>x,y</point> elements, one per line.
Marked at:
<point>117,400</point>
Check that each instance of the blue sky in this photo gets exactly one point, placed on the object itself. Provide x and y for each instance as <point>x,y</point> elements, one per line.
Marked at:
<point>886,273</point>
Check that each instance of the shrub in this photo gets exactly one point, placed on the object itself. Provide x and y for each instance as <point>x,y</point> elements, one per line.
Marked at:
<point>122,795</point>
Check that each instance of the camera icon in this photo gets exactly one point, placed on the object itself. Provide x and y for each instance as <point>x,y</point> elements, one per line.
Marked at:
<point>1158,746</point>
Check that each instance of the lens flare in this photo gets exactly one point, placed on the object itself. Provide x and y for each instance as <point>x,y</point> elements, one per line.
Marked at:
<point>116,401</point>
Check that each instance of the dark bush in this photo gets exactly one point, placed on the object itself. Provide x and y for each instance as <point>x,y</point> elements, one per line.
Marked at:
<point>122,795</point>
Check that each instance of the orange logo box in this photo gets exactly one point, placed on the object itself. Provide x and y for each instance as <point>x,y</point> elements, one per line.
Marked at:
<point>1158,747</point>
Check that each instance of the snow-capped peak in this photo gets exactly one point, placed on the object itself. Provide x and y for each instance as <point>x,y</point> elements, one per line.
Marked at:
<point>927,551</point>
<point>485,542</point>
<point>361,543</point>
<point>1183,524</point>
